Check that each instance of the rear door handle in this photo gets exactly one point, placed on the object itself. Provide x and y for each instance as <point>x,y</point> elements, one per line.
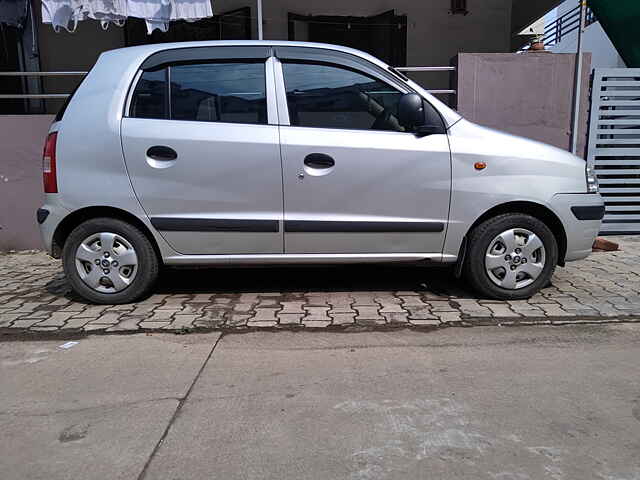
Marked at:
<point>162,153</point>
<point>319,160</point>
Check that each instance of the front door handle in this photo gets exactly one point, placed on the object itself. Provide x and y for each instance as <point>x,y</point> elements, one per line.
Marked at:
<point>162,153</point>
<point>319,160</point>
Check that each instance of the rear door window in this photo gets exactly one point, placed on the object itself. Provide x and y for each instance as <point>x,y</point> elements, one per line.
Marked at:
<point>219,92</point>
<point>231,92</point>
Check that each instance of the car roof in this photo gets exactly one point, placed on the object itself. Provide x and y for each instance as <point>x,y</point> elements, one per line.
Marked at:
<point>158,47</point>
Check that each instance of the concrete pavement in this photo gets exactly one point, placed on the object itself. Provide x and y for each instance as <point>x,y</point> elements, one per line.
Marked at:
<point>96,410</point>
<point>481,403</point>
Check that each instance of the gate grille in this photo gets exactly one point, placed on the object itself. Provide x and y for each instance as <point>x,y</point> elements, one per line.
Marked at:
<point>614,146</point>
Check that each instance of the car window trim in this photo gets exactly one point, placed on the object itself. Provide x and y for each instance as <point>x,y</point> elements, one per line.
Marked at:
<point>339,59</point>
<point>160,59</point>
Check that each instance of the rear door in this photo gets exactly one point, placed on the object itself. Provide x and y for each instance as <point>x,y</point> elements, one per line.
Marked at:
<point>354,180</point>
<point>201,145</point>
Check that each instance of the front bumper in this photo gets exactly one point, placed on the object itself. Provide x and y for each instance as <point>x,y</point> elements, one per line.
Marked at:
<point>581,215</point>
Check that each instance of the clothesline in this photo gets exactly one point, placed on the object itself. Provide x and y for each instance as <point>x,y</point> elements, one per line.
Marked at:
<point>156,13</point>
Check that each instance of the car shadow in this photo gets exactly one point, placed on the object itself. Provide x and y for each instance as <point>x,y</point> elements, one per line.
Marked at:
<point>345,278</point>
<point>438,281</point>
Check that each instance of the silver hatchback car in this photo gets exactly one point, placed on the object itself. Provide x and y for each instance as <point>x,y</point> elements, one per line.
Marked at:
<point>249,152</point>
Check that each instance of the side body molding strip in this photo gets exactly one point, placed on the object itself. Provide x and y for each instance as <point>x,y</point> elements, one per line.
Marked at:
<point>362,227</point>
<point>172,224</point>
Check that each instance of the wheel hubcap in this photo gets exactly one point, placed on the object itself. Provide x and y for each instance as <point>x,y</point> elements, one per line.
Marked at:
<point>106,262</point>
<point>515,258</point>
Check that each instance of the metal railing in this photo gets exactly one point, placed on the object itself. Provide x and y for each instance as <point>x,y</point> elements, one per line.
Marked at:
<point>431,69</point>
<point>71,74</point>
<point>23,96</point>
<point>566,24</point>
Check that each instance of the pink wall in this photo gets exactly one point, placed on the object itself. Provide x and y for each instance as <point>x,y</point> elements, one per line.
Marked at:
<point>528,94</point>
<point>21,141</point>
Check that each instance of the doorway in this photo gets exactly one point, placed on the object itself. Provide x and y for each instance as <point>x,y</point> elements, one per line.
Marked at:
<point>383,36</point>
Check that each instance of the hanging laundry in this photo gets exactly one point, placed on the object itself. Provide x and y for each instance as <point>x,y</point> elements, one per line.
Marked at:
<point>190,10</point>
<point>13,12</point>
<point>62,14</point>
<point>157,13</point>
<point>106,11</point>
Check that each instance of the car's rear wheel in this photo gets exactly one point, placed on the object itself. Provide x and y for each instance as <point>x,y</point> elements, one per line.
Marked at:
<point>510,257</point>
<point>109,261</point>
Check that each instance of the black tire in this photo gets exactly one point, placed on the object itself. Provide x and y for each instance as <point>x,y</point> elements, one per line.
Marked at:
<point>479,239</point>
<point>147,268</point>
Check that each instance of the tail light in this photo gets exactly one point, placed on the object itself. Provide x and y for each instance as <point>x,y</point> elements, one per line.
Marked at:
<point>49,164</point>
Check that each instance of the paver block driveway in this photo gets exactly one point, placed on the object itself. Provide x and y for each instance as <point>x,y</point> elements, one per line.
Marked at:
<point>35,296</point>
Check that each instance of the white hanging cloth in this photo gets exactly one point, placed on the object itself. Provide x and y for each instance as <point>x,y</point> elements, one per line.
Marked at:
<point>156,13</point>
<point>106,11</point>
<point>62,13</point>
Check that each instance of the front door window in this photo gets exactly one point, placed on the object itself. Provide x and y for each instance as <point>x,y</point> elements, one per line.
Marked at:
<point>329,96</point>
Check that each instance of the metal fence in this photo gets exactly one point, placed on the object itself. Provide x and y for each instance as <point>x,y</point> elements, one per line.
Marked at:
<point>562,26</point>
<point>614,146</point>
<point>566,24</point>
<point>38,74</point>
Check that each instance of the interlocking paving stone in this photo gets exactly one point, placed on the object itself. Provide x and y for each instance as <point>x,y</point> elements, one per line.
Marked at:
<point>35,296</point>
<point>396,317</point>
<point>290,318</point>
<point>344,318</point>
<point>316,314</point>
<point>368,313</point>
<point>262,323</point>
<point>316,323</point>
<point>75,323</point>
<point>153,325</point>
<point>433,323</point>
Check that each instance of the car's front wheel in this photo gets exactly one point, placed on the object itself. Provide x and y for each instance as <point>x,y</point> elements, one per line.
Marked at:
<point>109,261</point>
<point>510,257</point>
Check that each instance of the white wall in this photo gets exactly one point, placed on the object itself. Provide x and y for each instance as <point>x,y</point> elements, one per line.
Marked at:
<point>594,40</point>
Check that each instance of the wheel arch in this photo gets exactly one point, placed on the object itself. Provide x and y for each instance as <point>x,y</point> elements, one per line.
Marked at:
<point>76,217</point>
<point>537,210</point>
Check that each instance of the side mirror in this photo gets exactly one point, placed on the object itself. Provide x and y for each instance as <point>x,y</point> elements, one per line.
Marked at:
<point>410,111</point>
<point>413,117</point>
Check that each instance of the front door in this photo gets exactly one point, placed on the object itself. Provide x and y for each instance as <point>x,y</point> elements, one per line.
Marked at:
<point>203,158</point>
<point>354,180</point>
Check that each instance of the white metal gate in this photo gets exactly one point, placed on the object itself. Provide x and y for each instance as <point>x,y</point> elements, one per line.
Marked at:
<point>614,146</point>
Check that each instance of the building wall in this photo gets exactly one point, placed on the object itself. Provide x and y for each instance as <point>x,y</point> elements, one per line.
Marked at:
<point>434,36</point>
